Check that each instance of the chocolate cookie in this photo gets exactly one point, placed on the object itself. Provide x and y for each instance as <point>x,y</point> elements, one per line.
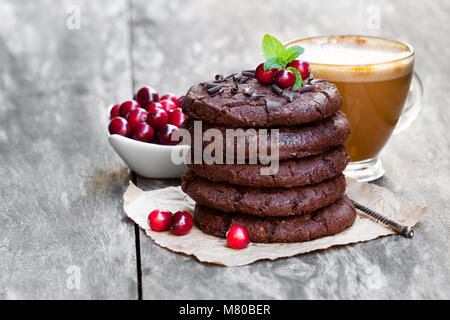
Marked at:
<point>248,103</point>
<point>263,201</point>
<point>324,222</point>
<point>294,142</point>
<point>291,173</point>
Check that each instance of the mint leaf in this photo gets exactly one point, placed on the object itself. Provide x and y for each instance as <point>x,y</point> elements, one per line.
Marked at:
<point>292,53</point>
<point>272,47</point>
<point>299,82</point>
<point>274,63</point>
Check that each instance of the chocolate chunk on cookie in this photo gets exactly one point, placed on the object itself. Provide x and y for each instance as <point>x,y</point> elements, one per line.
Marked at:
<point>263,201</point>
<point>324,222</point>
<point>233,105</point>
<point>291,173</point>
<point>293,142</point>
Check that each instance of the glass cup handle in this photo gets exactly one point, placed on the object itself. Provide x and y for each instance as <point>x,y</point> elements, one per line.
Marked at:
<point>413,105</point>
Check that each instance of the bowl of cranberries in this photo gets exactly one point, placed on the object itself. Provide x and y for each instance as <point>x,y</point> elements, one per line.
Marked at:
<point>142,133</point>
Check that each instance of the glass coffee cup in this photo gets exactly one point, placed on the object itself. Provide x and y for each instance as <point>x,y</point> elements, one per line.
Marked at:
<point>381,93</point>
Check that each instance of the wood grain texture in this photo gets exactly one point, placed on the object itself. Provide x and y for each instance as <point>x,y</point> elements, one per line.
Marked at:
<point>61,188</point>
<point>62,184</point>
<point>209,37</point>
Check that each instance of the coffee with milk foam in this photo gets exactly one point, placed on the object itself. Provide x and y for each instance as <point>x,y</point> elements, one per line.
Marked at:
<point>373,76</point>
<point>359,59</point>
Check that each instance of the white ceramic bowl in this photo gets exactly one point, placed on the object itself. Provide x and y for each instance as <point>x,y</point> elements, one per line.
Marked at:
<point>147,159</point>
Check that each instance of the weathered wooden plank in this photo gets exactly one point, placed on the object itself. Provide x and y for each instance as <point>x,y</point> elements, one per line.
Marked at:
<point>207,37</point>
<point>61,215</point>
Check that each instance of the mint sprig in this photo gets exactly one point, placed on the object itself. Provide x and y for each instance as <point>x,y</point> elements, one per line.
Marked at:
<point>292,53</point>
<point>274,63</point>
<point>299,81</point>
<point>277,56</point>
<point>272,47</point>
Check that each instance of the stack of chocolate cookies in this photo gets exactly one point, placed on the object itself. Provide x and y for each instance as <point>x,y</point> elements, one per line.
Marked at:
<point>305,198</point>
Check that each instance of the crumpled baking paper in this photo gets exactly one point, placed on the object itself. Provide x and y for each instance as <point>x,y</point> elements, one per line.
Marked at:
<point>138,204</point>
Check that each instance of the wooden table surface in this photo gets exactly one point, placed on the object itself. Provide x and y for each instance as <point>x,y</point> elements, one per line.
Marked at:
<point>63,232</point>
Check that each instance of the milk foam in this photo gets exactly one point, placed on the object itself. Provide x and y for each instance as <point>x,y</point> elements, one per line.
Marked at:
<point>351,54</point>
<point>355,59</point>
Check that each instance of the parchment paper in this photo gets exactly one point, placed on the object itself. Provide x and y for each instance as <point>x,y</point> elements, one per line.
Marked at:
<point>138,204</point>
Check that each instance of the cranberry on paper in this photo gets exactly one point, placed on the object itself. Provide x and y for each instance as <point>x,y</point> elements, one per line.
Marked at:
<point>159,220</point>
<point>238,237</point>
<point>182,223</point>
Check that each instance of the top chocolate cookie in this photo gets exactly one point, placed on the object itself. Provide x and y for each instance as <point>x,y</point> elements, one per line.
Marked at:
<point>243,101</point>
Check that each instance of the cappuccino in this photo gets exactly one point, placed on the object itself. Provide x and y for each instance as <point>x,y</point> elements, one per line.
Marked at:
<point>373,76</point>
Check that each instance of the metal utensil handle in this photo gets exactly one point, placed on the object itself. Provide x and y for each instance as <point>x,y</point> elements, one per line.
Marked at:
<point>402,229</point>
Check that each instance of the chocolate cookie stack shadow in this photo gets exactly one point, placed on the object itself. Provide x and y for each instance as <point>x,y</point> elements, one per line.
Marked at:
<point>305,199</point>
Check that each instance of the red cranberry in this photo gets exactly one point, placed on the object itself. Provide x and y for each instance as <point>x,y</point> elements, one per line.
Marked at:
<point>238,237</point>
<point>137,117</point>
<point>119,126</point>
<point>182,223</point>
<point>114,111</point>
<point>180,102</point>
<point>168,105</point>
<point>265,77</point>
<point>285,79</point>
<point>147,95</point>
<point>302,66</point>
<point>170,97</point>
<point>153,105</point>
<point>157,118</point>
<point>159,220</point>
<point>128,106</point>
<point>144,132</point>
<point>165,135</point>
<point>177,117</point>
